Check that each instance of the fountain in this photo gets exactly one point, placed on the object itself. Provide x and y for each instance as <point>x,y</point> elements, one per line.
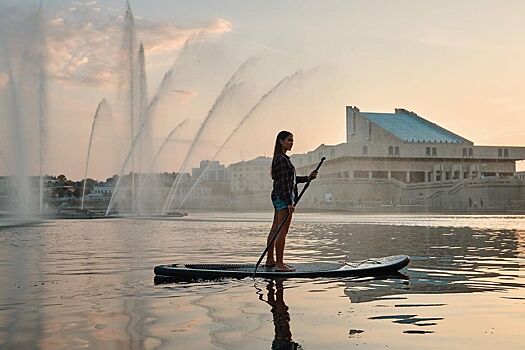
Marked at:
<point>251,112</point>
<point>228,90</point>
<point>23,143</point>
<point>140,112</point>
<point>148,115</point>
<point>151,168</point>
<point>23,57</point>
<point>102,109</point>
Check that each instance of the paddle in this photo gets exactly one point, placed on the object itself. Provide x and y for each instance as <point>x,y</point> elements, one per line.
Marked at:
<point>285,219</point>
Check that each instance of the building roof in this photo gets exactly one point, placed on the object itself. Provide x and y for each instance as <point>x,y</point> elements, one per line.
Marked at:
<point>261,160</point>
<point>410,127</point>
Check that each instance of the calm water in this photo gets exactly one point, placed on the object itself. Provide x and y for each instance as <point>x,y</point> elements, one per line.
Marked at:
<point>89,284</point>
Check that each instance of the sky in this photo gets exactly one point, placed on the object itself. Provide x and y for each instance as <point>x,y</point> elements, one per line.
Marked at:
<point>456,63</point>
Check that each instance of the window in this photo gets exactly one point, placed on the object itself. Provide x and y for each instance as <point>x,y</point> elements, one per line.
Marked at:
<point>500,152</point>
<point>396,151</point>
<point>369,131</point>
<point>428,151</point>
<point>434,151</point>
<point>360,174</point>
<point>506,153</point>
<point>365,150</point>
<point>470,152</point>
<point>464,152</point>
<point>390,151</point>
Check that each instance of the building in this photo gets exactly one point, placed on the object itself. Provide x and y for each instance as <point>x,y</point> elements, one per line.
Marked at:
<point>101,191</point>
<point>7,184</point>
<point>211,171</point>
<point>251,184</point>
<point>210,187</point>
<point>403,160</point>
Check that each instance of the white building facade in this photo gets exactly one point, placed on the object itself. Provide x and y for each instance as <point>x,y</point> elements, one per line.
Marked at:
<point>396,160</point>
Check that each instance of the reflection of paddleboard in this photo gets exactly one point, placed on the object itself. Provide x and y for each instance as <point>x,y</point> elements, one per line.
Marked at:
<point>369,267</point>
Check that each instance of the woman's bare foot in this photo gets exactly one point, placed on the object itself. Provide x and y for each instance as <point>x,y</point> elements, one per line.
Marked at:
<point>284,268</point>
<point>269,263</point>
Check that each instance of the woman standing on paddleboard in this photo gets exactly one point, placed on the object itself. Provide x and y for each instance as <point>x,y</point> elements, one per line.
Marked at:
<point>283,195</point>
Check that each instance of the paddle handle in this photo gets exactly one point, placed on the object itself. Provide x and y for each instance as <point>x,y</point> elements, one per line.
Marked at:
<point>287,215</point>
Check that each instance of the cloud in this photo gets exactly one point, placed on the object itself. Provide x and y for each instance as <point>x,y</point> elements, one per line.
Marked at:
<point>83,40</point>
<point>165,38</point>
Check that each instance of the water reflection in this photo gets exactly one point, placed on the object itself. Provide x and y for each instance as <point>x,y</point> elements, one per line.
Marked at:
<point>79,284</point>
<point>21,281</point>
<point>444,259</point>
<point>281,316</point>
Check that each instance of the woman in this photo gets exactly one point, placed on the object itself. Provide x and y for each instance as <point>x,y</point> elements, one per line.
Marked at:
<point>283,195</point>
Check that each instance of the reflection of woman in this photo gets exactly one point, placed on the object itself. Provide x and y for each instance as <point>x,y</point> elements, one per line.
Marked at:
<point>281,318</point>
<point>283,195</point>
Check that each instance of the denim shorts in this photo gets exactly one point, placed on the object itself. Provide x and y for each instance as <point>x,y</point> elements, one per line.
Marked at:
<point>279,204</point>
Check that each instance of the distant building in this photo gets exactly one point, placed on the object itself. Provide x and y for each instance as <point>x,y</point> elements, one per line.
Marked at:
<point>401,158</point>
<point>101,191</point>
<point>9,185</point>
<point>209,187</point>
<point>251,183</point>
<point>251,176</point>
<point>211,171</point>
<point>6,185</point>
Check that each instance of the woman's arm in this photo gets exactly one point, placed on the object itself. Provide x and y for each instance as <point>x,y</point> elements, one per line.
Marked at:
<point>300,179</point>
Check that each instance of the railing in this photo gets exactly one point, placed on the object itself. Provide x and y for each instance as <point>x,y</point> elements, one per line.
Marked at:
<point>398,183</point>
<point>457,187</point>
<point>435,195</point>
<point>452,186</point>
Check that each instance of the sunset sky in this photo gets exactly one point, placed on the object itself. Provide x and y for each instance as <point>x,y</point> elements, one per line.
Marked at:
<point>456,63</point>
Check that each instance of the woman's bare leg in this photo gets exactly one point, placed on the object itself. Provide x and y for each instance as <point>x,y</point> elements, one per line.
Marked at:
<point>282,215</point>
<point>270,260</point>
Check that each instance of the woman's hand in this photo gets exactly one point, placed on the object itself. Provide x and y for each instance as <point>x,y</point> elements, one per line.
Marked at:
<point>291,209</point>
<point>312,175</point>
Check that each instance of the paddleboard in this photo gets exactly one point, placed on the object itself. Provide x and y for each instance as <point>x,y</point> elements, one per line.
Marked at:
<point>368,267</point>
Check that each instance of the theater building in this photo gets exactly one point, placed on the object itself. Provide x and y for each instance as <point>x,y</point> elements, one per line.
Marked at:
<point>401,161</point>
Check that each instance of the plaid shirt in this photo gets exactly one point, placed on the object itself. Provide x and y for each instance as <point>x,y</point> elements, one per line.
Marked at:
<point>284,179</point>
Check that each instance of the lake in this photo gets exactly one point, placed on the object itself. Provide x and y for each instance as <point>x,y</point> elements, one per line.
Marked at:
<point>71,284</point>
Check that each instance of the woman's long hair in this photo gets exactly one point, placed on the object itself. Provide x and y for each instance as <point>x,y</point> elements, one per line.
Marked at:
<point>278,148</point>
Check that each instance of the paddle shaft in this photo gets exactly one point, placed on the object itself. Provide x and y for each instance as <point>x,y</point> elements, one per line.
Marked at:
<point>286,219</point>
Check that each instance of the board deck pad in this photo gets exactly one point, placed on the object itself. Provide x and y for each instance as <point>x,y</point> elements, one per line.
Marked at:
<point>368,267</point>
